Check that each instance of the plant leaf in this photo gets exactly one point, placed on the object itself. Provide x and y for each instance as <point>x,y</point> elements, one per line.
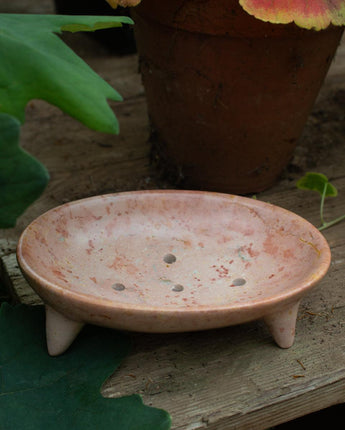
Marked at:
<point>22,177</point>
<point>316,182</point>
<point>38,391</point>
<point>37,64</point>
<point>316,14</point>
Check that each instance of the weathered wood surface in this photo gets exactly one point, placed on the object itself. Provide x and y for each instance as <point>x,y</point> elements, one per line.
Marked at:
<point>233,378</point>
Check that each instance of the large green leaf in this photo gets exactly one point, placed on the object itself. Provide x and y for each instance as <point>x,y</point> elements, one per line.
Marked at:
<point>37,64</point>
<point>38,391</point>
<point>22,177</point>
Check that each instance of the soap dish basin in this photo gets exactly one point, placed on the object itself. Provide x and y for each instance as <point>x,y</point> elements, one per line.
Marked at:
<point>170,261</point>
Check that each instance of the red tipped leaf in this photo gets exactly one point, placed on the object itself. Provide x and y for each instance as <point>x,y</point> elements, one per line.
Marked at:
<point>310,14</point>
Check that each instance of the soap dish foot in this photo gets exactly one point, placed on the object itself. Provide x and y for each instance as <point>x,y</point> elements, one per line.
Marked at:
<point>60,331</point>
<point>282,324</point>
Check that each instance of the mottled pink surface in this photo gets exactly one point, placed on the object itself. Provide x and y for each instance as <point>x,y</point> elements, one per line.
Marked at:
<point>165,261</point>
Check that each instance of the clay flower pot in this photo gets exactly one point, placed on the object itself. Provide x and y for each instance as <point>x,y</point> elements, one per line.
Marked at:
<point>228,94</point>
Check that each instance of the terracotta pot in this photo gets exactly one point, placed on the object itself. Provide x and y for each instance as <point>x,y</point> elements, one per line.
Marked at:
<point>228,95</point>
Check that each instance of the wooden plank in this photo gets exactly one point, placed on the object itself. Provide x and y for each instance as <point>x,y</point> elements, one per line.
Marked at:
<point>6,247</point>
<point>27,6</point>
<point>20,290</point>
<point>236,377</point>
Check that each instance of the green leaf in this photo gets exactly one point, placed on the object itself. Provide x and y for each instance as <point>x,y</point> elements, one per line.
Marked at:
<point>38,391</point>
<point>36,64</point>
<point>22,177</point>
<point>317,182</point>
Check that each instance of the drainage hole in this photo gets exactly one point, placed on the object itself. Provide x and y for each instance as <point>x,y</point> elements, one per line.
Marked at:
<point>177,288</point>
<point>238,282</point>
<point>169,258</point>
<point>118,287</point>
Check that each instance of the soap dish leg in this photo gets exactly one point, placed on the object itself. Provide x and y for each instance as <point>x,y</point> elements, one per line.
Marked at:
<point>60,331</point>
<point>282,324</point>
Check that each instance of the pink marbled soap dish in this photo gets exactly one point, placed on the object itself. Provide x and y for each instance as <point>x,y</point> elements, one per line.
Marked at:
<point>170,261</point>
